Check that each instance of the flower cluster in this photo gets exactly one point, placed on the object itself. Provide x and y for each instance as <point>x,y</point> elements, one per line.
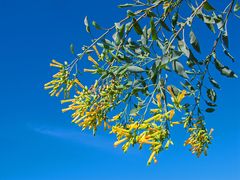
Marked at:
<point>152,131</point>
<point>92,105</point>
<point>199,140</point>
<point>177,99</point>
<point>61,81</point>
<point>142,133</point>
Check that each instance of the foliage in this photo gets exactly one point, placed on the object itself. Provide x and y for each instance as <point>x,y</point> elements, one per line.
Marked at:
<point>148,67</point>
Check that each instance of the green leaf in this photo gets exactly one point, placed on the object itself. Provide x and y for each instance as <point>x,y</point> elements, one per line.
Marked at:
<point>236,7</point>
<point>179,69</point>
<point>135,69</point>
<point>134,111</point>
<point>228,54</point>
<point>210,104</point>
<point>164,25</point>
<point>183,47</point>
<point>130,13</point>
<point>151,14</point>
<point>96,25</point>
<point>137,27</point>
<point>87,24</point>
<point>144,38</point>
<point>225,39</point>
<point>208,7</point>
<point>211,27</point>
<point>210,110</point>
<point>214,83</point>
<point>194,42</point>
<point>153,30</point>
<point>174,19</point>
<point>224,70</point>
<point>212,95</point>
<point>126,5</point>
<point>72,48</point>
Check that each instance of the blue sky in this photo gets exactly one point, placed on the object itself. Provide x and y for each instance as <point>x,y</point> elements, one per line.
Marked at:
<point>39,142</point>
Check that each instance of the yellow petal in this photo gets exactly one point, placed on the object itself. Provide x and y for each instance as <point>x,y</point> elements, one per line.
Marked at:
<point>151,157</point>
<point>96,50</point>
<point>78,82</point>
<point>119,142</point>
<point>158,96</point>
<point>92,60</point>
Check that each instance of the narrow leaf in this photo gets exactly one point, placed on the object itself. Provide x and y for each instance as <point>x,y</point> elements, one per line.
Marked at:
<point>228,54</point>
<point>135,69</point>
<point>224,70</point>
<point>210,110</point>
<point>126,5</point>
<point>225,39</point>
<point>164,25</point>
<point>174,19</point>
<point>137,27</point>
<point>87,24</point>
<point>214,82</point>
<point>96,25</point>
<point>179,69</point>
<point>236,7</point>
<point>208,6</point>
<point>212,95</point>
<point>72,48</point>
<point>194,42</point>
<point>153,30</point>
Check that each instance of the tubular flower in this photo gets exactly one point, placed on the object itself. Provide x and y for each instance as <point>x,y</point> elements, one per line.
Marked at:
<point>92,60</point>
<point>97,52</point>
<point>181,96</point>
<point>91,106</point>
<point>199,140</point>
<point>177,99</point>
<point>60,80</point>
<point>142,133</point>
<point>158,96</point>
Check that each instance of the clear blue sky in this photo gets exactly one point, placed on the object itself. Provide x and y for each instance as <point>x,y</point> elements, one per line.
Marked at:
<point>38,142</point>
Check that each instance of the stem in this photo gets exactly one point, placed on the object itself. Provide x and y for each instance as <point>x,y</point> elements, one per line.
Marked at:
<point>185,23</point>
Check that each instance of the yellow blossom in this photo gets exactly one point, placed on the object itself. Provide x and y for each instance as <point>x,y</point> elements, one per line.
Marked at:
<point>119,142</point>
<point>151,157</point>
<point>171,114</point>
<point>158,96</point>
<point>96,50</point>
<point>78,82</point>
<point>92,60</point>
<point>181,96</point>
<point>89,70</point>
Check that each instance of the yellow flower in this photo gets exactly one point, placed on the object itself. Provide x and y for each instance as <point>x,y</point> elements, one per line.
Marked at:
<point>171,114</point>
<point>55,62</point>
<point>175,123</point>
<point>154,110</point>
<point>89,70</point>
<point>66,100</point>
<point>95,49</point>
<point>181,96</point>
<point>55,65</point>
<point>156,117</point>
<point>158,96</point>
<point>171,91</point>
<point>58,93</point>
<point>119,142</point>
<point>92,60</point>
<point>66,109</point>
<point>117,117</point>
<point>78,82</point>
<point>151,157</point>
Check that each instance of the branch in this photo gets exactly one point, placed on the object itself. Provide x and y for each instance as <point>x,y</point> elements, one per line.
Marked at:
<point>183,25</point>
